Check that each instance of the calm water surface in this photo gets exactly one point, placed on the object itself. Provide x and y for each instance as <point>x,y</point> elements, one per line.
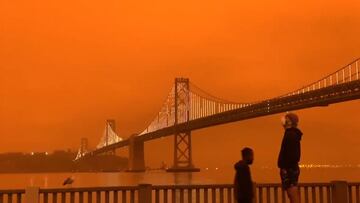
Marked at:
<point>210,176</point>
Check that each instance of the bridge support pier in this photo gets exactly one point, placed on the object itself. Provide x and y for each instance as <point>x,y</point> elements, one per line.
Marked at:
<point>136,156</point>
<point>183,154</point>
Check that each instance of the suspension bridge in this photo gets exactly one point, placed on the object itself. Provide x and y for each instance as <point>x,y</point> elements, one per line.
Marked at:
<point>188,108</point>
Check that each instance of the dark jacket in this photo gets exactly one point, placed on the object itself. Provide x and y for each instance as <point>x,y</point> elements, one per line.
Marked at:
<point>290,151</point>
<point>243,183</point>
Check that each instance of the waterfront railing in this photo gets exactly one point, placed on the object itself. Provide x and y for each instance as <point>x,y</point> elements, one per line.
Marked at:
<point>333,192</point>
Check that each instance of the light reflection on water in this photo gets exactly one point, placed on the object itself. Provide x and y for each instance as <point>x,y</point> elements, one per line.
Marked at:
<point>221,176</point>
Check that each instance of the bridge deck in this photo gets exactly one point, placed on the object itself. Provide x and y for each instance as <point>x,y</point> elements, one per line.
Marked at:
<point>315,98</point>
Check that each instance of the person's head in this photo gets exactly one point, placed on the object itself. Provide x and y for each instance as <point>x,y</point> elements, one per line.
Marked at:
<point>247,155</point>
<point>289,120</point>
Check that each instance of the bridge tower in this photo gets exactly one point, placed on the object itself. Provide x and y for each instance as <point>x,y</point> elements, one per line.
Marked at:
<point>182,139</point>
<point>84,145</point>
<point>111,123</point>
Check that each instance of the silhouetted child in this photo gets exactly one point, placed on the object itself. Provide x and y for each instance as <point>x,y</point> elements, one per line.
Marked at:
<point>243,184</point>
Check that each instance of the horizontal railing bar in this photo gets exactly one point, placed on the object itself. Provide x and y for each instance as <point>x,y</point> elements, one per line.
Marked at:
<point>300,184</point>
<point>10,191</point>
<point>163,187</point>
<point>88,189</point>
<point>353,184</point>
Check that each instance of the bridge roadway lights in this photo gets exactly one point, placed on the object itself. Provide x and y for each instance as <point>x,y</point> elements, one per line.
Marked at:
<point>136,155</point>
<point>182,170</point>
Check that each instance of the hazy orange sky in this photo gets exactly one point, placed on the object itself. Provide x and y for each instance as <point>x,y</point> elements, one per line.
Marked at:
<point>67,66</point>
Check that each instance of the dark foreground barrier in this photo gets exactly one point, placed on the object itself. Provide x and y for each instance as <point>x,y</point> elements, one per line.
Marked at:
<point>333,192</point>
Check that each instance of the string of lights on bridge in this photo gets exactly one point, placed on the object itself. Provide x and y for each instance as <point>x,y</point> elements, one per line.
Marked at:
<point>198,104</point>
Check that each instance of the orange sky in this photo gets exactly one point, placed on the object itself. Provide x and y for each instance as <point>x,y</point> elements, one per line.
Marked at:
<point>65,67</point>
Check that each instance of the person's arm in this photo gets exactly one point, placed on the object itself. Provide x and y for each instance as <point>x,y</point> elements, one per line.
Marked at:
<point>245,183</point>
<point>293,154</point>
<point>282,153</point>
<point>236,185</point>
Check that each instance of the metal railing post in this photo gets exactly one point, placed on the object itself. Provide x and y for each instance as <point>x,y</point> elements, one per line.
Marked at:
<point>254,200</point>
<point>339,192</point>
<point>144,195</point>
<point>32,195</point>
